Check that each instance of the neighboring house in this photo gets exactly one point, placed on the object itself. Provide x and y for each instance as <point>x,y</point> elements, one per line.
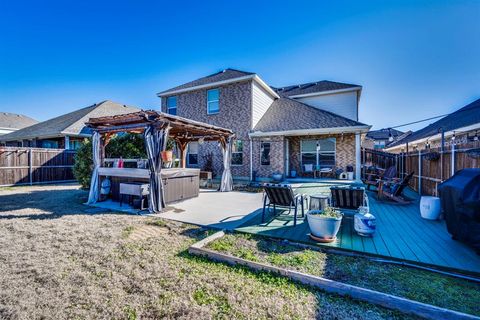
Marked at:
<point>378,139</point>
<point>277,129</point>
<point>10,122</point>
<point>66,131</point>
<point>463,124</point>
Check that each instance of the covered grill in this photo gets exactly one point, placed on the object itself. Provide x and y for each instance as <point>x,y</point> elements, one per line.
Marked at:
<point>460,199</point>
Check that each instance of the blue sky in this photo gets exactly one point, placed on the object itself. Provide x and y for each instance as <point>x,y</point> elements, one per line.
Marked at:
<point>415,59</point>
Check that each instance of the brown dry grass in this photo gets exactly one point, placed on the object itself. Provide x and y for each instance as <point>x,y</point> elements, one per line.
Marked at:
<point>59,260</point>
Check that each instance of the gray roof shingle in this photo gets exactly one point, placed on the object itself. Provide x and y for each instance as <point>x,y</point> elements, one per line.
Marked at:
<point>383,134</point>
<point>287,114</point>
<point>72,123</point>
<point>313,87</point>
<point>15,121</point>
<point>466,116</point>
<point>223,75</point>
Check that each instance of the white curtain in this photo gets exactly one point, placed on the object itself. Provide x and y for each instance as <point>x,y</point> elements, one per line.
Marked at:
<point>95,181</point>
<point>227,182</point>
<point>155,142</point>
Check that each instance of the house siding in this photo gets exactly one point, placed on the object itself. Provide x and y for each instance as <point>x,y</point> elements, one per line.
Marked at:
<point>235,114</point>
<point>344,104</point>
<point>261,101</point>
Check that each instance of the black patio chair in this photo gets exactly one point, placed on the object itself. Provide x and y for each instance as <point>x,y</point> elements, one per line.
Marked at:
<point>282,195</point>
<point>349,197</point>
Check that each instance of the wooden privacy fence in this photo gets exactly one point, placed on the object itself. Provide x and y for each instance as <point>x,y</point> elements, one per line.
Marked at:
<point>430,167</point>
<point>24,166</point>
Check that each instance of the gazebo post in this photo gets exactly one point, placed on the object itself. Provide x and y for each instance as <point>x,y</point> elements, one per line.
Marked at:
<point>182,146</point>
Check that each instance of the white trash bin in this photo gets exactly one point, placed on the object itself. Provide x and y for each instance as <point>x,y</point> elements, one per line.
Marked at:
<point>430,207</point>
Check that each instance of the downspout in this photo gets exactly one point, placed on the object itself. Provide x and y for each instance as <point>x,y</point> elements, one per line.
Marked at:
<point>251,158</point>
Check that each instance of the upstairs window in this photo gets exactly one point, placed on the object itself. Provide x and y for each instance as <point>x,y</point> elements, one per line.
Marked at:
<point>172,105</point>
<point>213,105</point>
<point>237,153</point>
<point>192,153</point>
<point>265,153</point>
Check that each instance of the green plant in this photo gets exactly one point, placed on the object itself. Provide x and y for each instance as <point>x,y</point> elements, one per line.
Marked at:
<point>83,165</point>
<point>327,212</point>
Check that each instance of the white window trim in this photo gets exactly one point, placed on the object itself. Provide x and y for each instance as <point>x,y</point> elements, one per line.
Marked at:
<point>218,100</point>
<point>269,155</point>
<point>334,152</point>
<point>176,104</point>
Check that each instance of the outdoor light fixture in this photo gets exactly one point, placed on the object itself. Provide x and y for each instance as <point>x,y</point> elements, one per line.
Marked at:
<point>318,146</point>
<point>390,137</point>
<point>475,138</point>
<point>201,140</point>
<point>453,137</point>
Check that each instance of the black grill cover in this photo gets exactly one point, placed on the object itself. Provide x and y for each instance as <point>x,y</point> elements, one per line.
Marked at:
<point>460,199</point>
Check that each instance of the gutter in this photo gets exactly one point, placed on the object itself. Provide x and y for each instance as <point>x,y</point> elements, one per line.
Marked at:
<point>309,132</point>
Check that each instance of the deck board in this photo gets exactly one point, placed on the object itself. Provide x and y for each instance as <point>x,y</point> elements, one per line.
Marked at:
<point>401,234</point>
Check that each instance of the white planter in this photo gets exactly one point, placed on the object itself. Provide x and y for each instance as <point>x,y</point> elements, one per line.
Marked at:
<point>323,227</point>
<point>430,207</point>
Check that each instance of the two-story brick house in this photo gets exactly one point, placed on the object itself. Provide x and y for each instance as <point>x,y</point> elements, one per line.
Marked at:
<point>277,129</point>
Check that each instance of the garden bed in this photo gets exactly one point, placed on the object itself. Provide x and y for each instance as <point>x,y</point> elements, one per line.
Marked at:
<point>418,285</point>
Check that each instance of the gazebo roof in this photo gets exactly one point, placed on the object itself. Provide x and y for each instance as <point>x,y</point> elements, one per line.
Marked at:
<point>180,128</point>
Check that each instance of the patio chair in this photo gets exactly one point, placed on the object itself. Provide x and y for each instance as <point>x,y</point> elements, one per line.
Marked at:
<point>394,190</point>
<point>373,179</point>
<point>308,169</point>
<point>282,195</point>
<point>349,197</point>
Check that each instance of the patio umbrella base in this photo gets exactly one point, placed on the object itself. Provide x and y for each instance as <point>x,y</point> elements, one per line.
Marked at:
<point>322,240</point>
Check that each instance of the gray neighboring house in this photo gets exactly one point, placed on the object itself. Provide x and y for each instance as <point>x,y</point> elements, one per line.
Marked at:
<point>66,131</point>
<point>10,122</point>
<point>278,130</point>
<point>378,139</point>
<point>463,123</point>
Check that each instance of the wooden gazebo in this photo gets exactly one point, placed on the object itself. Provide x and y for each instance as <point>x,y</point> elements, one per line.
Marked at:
<point>157,127</point>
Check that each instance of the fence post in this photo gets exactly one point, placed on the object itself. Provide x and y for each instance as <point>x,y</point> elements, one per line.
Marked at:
<point>30,168</point>
<point>453,158</point>
<point>419,171</point>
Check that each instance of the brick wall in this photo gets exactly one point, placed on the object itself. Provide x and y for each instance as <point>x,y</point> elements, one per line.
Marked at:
<point>235,114</point>
<point>277,157</point>
<point>345,150</point>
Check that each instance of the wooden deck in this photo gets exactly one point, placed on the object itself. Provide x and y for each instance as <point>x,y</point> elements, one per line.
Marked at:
<point>401,234</point>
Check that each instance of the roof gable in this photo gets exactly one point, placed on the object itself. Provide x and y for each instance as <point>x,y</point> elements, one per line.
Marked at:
<point>72,123</point>
<point>223,75</point>
<point>15,121</point>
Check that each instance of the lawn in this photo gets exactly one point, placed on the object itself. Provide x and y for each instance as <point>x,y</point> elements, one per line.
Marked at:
<point>424,286</point>
<point>63,260</point>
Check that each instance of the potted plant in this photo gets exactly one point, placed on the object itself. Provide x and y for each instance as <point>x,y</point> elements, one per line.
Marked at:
<point>277,176</point>
<point>324,224</point>
<point>167,155</point>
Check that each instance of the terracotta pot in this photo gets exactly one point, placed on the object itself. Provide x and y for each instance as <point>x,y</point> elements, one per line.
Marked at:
<point>167,156</point>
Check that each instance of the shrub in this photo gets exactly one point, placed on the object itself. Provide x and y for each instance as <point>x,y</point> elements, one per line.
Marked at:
<point>82,168</point>
<point>125,146</point>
